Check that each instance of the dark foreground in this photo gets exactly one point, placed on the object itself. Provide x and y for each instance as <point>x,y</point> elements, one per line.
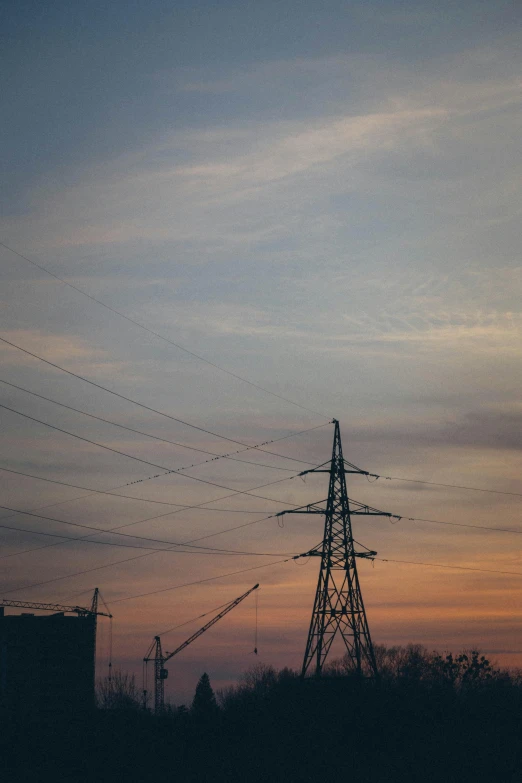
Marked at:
<point>450,724</point>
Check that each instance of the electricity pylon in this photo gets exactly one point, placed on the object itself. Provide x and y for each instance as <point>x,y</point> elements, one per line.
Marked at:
<point>338,605</point>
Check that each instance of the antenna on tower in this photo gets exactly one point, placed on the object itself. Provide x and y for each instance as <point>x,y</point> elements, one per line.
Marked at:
<point>338,605</point>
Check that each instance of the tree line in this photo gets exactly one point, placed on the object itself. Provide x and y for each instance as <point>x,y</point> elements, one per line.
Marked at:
<point>430,717</point>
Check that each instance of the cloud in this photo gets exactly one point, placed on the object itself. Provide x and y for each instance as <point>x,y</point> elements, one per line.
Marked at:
<point>137,199</point>
<point>152,194</point>
<point>499,429</point>
<point>57,348</point>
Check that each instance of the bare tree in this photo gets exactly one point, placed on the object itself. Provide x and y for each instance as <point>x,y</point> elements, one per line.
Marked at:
<point>118,692</point>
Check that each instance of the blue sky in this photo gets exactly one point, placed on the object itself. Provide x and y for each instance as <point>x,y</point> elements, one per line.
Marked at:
<point>324,199</point>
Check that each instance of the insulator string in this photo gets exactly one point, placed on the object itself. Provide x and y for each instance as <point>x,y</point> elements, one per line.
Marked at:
<point>255,633</point>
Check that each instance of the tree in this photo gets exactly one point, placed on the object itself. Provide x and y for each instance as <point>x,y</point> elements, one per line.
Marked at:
<point>465,670</point>
<point>204,704</point>
<point>260,679</point>
<point>408,663</point>
<point>119,692</point>
<point>414,664</point>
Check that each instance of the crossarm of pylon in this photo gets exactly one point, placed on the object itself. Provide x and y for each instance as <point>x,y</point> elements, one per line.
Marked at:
<point>348,468</point>
<point>311,508</point>
<point>368,555</point>
<point>356,508</point>
<point>362,508</point>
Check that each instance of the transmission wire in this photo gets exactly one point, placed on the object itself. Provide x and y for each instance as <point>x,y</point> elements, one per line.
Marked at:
<point>101,532</point>
<point>442,565</point>
<point>463,524</point>
<point>450,486</point>
<point>201,581</point>
<point>165,440</point>
<point>137,459</point>
<point>113,494</point>
<point>135,402</point>
<point>160,336</point>
<point>193,619</point>
<point>166,514</point>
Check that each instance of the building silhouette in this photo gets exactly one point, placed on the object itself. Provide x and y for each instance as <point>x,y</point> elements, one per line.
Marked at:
<point>47,662</point>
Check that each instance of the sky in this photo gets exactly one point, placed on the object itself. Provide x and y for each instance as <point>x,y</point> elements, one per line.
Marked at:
<point>323,199</point>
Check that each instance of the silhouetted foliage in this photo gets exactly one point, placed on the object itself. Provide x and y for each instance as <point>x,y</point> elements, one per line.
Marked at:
<point>415,664</point>
<point>119,692</point>
<point>435,718</point>
<point>204,705</point>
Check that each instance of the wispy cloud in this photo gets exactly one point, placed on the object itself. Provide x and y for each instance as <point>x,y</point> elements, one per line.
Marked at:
<point>55,347</point>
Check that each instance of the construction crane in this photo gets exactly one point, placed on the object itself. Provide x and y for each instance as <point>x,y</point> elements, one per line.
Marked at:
<point>155,653</point>
<point>80,610</point>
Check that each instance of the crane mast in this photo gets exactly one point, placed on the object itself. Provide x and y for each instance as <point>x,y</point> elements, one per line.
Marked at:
<point>160,674</point>
<point>155,653</point>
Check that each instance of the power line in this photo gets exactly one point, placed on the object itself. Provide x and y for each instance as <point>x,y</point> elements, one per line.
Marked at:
<point>130,524</point>
<point>247,524</point>
<point>161,337</point>
<point>142,405</point>
<point>102,567</point>
<point>90,490</point>
<point>172,547</point>
<point>193,619</point>
<point>150,554</point>
<point>165,440</point>
<point>226,530</point>
<point>99,531</point>
<point>126,560</point>
<point>129,559</point>
<point>161,413</point>
<point>112,530</point>
<point>89,571</point>
<point>464,524</point>
<point>199,581</point>
<point>450,486</point>
<point>111,492</point>
<point>442,565</point>
<point>77,573</point>
<point>417,519</point>
<point>231,529</point>
<point>88,540</point>
<point>127,497</point>
<point>200,506</point>
<point>267,554</point>
<point>211,535</point>
<point>147,554</point>
<point>138,459</point>
<point>169,513</point>
<point>254,568</point>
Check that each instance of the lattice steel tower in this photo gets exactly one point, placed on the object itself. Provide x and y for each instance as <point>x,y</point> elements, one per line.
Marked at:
<point>338,605</point>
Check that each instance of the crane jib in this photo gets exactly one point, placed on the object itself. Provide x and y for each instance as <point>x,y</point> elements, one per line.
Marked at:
<point>160,658</point>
